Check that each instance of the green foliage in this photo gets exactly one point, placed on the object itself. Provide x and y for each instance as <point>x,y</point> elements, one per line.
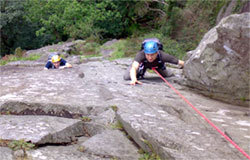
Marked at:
<point>151,71</point>
<point>179,24</point>
<point>148,156</point>
<point>87,49</point>
<point>52,50</point>
<point>169,23</point>
<point>12,58</point>
<point>244,99</point>
<point>15,30</point>
<point>10,19</point>
<point>149,14</point>
<point>119,49</point>
<point>49,15</point>
<point>114,108</point>
<point>21,144</point>
<point>174,48</point>
<point>86,119</point>
<point>194,20</point>
<point>109,19</point>
<point>149,145</point>
<point>117,125</point>
<point>19,52</point>
<point>100,19</point>
<point>130,46</point>
<point>89,56</point>
<point>90,48</point>
<point>79,19</point>
<point>239,5</point>
<point>81,149</point>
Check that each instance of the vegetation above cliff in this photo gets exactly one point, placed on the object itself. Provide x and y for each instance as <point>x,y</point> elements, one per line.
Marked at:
<point>32,24</point>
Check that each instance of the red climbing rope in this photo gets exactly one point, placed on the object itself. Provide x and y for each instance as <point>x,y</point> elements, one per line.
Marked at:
<point>224,135</point>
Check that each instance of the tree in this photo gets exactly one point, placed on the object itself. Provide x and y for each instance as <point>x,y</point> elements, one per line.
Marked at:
<point>15,30</point>
<point>79,19</point>
<point>11,16</point>
<point>33,23</point>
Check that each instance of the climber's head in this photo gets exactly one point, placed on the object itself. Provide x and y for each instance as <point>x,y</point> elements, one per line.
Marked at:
<point>151,50</point>
<point>56,61</point>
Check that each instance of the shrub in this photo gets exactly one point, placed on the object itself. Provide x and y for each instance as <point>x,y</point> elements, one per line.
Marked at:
<point>21,144</point>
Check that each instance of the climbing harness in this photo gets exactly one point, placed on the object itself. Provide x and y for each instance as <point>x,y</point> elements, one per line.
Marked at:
<point>213,125</point>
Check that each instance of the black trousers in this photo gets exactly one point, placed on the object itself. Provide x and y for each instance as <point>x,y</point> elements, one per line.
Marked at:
<point>139,75</point>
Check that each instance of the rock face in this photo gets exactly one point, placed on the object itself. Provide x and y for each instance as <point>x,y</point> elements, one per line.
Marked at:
<point>40,129</point>
<point>219,66</point>
<point>155,118</point>
<point>81,106</point>
<point>111,144</point>
<point>5,153</point>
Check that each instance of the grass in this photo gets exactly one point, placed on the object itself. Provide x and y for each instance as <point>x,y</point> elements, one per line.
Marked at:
<point>146,155</point>
<point>244,99</point>
<point>87,49</point>
<point>21,145</point>
<point>81,149</point>
<point>52,50</point>
<point>118,125</point>
<point>86,119</point>
<point>119,50</point>
<point>90,56</point>
<point>114,108</point>
<point>122,48</point>
<point>12,58</point>
<point>130,46</point>
<point>150,71</point>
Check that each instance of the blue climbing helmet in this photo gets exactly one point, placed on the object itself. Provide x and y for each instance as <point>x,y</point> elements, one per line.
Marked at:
<point>150,47</point>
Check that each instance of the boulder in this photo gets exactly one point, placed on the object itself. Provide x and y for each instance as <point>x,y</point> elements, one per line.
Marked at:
<point>40,129</point>
<point>219,66</point>
<point>111,144</point>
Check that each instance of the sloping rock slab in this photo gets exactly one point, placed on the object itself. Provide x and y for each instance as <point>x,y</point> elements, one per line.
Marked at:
<point>219,66</point>
<point>50,91</point>
<point>112,144</point>
<point>102,86</point>
<point>5,153</point>
<point>157,131</point>
<point>60,152</point>
<point>40,129</point>
<point>26,63</point>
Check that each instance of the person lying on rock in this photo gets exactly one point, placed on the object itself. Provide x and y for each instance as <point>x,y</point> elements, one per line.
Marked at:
<point>57,62</point>
<point>150,56</point>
